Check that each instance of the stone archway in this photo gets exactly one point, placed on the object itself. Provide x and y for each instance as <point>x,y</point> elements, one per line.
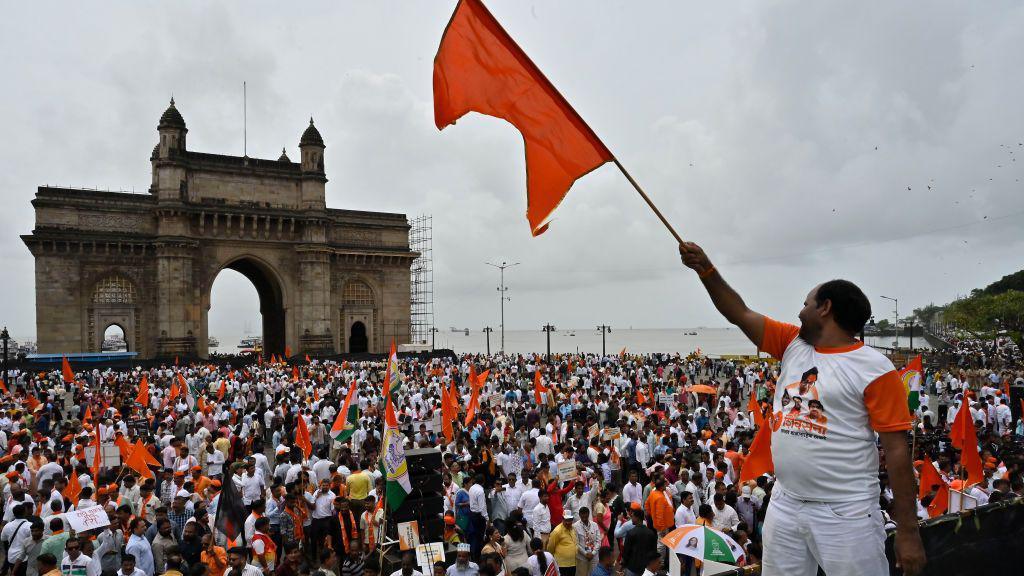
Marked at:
<point>357,338</point>
<point>266,218</point>
<point>270,289</point>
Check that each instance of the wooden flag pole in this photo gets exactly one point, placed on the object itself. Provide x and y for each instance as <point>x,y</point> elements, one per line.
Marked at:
<point>647,199</point>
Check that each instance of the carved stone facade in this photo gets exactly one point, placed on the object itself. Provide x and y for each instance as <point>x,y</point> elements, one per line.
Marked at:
<point>329,281</point>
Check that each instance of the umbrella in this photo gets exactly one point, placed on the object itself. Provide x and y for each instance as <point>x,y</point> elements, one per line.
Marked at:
<point>702,389</point>
<point>703,543</point>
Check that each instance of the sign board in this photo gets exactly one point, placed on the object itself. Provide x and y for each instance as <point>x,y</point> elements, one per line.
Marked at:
<point>666,399</point>
<point>960,501</point>
<point>87,519</point>
<point>567,470</point>
<point>427,554</point>
<point>592,431</point>
<point>495,399</point>
<point>408,535</point>
<point>111,455</point>
<point>612,434</point>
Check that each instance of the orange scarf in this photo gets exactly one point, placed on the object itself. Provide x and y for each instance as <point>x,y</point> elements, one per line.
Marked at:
<point>344,533</point>
<point>297,518</point>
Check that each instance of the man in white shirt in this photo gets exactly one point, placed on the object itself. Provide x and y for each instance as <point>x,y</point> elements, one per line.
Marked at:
<point>632,491</point>
<point>684,514</point>
<point>588,542</point>
<point>726,518</point>
<point>541,519</point>
<point>252,484</point>
<point>477,512</point>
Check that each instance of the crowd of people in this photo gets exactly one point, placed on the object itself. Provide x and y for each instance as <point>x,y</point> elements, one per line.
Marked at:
<point>658,441</point>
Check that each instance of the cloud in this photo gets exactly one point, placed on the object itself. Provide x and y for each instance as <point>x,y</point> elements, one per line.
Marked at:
<point>781,136</point>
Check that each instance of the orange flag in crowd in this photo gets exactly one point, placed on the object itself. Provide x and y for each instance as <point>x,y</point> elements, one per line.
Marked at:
<point>308,361</point>
<point>65,370</point>
<point>87,417</point>
<point>174,391</point>
<point>538,387</point>
<point>930,478</point>
<point>448,415</point>
<point>123,447</point>
<point>479,68</point>
<point>144,451</point>
<point>223,390</point>
<point>30,401</point>
<point>137,460</point>
<point>474,403</point>
<point>295,373</point>
<point>302,437</point>
<point>759,459</point>
<point>755,407</point>
<point>287,351</point>
<point>97,458</point>
<point>143,395</point>
<point>964,436</point>
<point>3,385</point>
<point>73,489</point>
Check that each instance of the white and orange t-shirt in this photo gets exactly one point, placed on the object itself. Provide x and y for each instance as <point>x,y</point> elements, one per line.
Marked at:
<point>829,402</point>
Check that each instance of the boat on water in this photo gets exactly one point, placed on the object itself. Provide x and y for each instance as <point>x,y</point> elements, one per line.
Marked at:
<point>213,342</point>
<point>251,342</point>
<point>690,333</point>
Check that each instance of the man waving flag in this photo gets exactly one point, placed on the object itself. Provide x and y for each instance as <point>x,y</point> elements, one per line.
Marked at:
<point>345,424</point>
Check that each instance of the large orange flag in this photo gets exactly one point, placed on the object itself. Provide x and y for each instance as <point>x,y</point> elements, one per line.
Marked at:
<point>137,461</point>
<point>143,395</point>
<point>759,459</point>
<point>97,458</point>
<point>538,387</point>
<point>65,370</point>
<point>755,407</point>
<point>479,68</point>
<point>448,415</point>
<point>964,436</point>
<point>302,437</point>
<point>73,489</point>
<point>930,478</point>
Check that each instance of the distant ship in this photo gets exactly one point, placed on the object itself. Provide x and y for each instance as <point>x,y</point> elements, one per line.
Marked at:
<point>456,330</point>
<point>213,342</point>
<point>251,342</point>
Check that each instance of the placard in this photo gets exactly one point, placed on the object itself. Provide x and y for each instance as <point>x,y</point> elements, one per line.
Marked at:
<point>612,433</point>
<point>592,431</point>
<point>111,455</point>
<point>666,399</point>
<point>495,399</point>
<point>408,535</point>
<point>960,501</point>
<point>567,470</point>
<point>427,554</point>
<point>87,519</point>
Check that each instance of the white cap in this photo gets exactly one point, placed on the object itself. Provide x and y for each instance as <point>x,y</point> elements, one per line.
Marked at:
<point>745,491</point>
<point>182,493</point>
<point>567,515</point>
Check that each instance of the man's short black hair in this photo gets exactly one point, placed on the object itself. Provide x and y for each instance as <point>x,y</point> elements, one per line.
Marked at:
<point>850,307</point>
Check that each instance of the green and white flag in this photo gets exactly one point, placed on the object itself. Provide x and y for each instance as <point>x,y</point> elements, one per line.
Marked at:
<point>392,458</point>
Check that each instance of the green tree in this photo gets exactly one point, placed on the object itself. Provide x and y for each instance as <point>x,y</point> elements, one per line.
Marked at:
<point>981,313</point>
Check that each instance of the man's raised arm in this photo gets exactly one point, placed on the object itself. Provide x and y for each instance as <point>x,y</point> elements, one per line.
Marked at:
<point>725,299</point>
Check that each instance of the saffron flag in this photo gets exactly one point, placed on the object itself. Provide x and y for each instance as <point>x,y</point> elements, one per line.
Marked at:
<point>911,377</point>
<point>73,489</point>
<point>174,392</point>
<point>345,424</point>
<point>65,370</point>
<point>930,479</point>
<point>964,436</point>
<point>479,68</point>
<point>538,388</point>
<point>393,464</point>
<point>759,459</point>
<point>755,408</point>
<point>448,415</point>
<point>3,384</point>
<point>143,396</point>
<point>302,436</point>
<point>137,461</point>
<point>288,351</point>
<point>97,458</point>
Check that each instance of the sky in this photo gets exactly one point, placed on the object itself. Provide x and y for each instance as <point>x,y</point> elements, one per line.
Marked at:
<point>795,141</point>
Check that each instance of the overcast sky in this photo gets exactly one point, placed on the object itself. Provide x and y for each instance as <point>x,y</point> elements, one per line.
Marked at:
<point>796,141</point>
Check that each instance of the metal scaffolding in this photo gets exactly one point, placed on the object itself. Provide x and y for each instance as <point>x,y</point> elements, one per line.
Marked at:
<point>421,285</point>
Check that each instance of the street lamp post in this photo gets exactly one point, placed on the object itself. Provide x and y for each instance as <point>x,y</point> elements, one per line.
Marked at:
<point>502,289</point>
<point>549,329</point>
<point>604,330</point>
<point>433,331</point>
<point>6,338</point>
<point>896,326</point>
<point>487,331</point>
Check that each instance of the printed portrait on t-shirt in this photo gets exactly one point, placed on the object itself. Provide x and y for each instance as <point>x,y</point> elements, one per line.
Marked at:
<point>802,409</point>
